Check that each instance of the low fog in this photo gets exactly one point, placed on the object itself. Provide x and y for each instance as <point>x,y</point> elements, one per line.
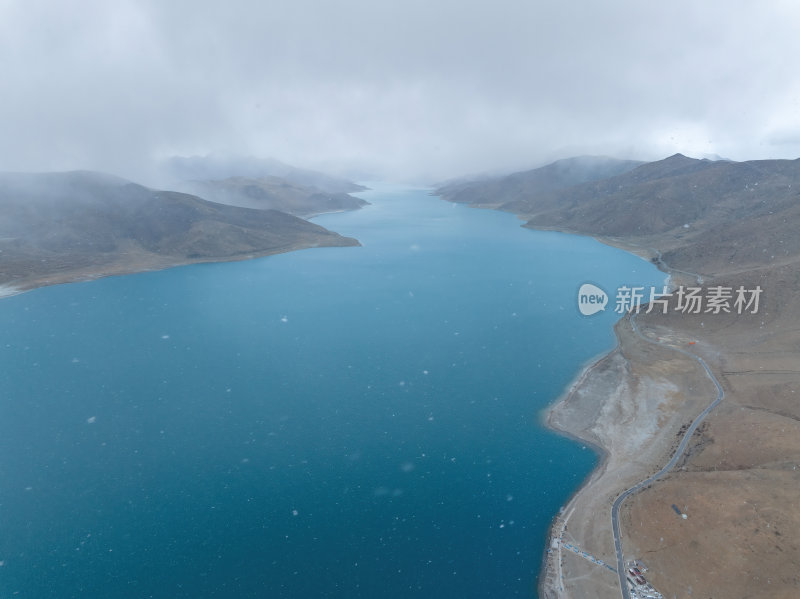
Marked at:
<point>409,91</point>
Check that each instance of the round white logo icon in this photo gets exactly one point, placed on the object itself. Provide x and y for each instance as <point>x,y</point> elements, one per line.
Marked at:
<point>591,299</point>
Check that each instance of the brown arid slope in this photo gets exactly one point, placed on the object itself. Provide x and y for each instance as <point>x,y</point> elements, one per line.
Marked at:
<point>740,482</point>
<point>59,227</point>
<point>723,224</point>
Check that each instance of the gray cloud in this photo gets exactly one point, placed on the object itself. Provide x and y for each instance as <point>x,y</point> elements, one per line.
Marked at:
<point>407,89</point>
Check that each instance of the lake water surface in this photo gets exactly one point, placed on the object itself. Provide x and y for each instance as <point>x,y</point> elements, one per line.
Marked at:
<point>335,422</point>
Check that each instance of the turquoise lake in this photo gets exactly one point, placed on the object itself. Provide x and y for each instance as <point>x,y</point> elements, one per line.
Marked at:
<point>335,422</point>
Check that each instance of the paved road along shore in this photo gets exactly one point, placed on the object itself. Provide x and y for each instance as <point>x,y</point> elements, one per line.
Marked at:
<point>669,466</point>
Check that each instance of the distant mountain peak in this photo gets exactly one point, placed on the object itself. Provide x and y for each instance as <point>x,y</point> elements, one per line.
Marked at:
<point>519,186</point>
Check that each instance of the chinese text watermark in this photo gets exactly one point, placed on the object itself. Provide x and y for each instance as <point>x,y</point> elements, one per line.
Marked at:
<point>717,299</point>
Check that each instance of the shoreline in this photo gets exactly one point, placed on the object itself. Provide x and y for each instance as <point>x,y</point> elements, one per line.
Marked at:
<point>546,419</point>
<point>546,587</point>
<point>10,290</point>
<point>551,576</point>
<point>603,455</point>
<point>85,275</point>
<point>552,559</point>
<point>605,406</point>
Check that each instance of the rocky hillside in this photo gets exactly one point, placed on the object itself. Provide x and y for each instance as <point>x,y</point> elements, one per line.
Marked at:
<point>711,216</point>
<point>57,227</point>
<point>500,191</point>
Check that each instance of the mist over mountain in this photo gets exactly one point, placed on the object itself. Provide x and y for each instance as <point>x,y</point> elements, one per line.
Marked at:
<point>493,192</point>
<point>220,166</point>
<point>56,227</point>
<point>273,193</point>
<point>717,215</point>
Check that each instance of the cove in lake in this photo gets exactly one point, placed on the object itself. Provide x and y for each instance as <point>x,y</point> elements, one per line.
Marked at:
<point>336,422</point>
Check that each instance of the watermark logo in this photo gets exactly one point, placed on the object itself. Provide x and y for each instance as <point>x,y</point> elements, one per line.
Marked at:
<point>685,300</point>
<point>591,299</point>
<point>690,300</point>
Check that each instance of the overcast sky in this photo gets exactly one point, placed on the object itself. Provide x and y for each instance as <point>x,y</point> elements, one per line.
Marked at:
<point>406,90</point>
